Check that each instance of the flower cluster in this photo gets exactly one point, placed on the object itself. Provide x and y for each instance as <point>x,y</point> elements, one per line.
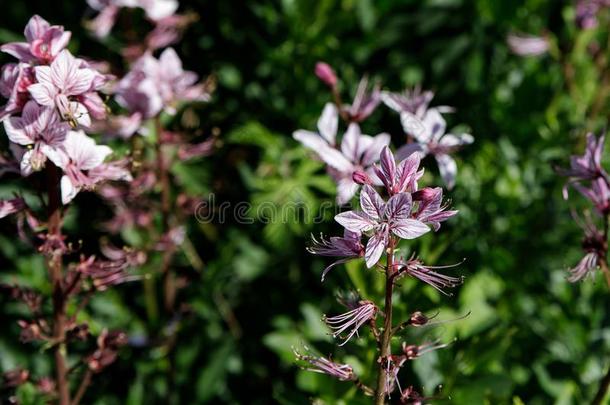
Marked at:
<point>350,161</point>
<point>588,177</point>
<point>52,97</point>
<point>376,229</point>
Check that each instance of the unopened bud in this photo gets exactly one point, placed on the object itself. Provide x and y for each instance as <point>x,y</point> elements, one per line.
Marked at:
<point>326,74</point>
<point>361,178</point>
<point>418,319</point>
<point>410,351</point>
<point>425,194</point>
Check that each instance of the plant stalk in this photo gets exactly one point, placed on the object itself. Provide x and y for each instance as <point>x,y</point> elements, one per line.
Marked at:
<point>386,338</point>
<point>56,276</point>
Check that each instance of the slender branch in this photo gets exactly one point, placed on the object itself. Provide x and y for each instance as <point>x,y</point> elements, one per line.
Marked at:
<point>56,275</point>
<point>163,173</point>
<point>82,388</point>
<point>386,338</point>
<point>376,333</point>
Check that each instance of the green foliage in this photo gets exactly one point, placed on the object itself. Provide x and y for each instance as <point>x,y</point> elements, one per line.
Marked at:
<point>530,337</point>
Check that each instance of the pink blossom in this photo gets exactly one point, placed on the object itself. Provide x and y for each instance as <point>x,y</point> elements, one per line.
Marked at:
<point>527,45</point>
<point>80,156</point>
<point>357,152</point>
<point>59,83</point>
<point>44,42</point>
<point>14,82</point>
<point>12,206</point>
<point>430,137</point>
<point>39,128</point>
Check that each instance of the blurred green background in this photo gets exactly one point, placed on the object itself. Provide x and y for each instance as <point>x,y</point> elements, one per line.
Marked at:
<point>531,337</point>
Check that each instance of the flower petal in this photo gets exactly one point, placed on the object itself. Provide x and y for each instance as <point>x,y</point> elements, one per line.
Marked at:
<point>328,123</point>
<point>355,221</point>
<point>374,249</point>
<point>447,168</point>
<point>409,228</point>
<point>371,203</point>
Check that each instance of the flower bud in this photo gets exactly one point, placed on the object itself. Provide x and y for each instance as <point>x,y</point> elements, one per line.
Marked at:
<point>418,319</point>
<point>425,194</point>
<point>361,178</point>
<point>326,74</point>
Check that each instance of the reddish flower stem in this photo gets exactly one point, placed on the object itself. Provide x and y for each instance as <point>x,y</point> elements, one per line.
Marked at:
<point>386,338</point>
<point>56,276</point>
<point>163,173</point>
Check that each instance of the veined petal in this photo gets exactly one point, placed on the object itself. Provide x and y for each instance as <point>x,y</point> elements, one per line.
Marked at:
<point>374,249</point>
<point>43,94</point>
<point>355,221</point>
<point>68,190</point>
<point>20,50</point>
<point>414,126</point>
<point>15,131</point>
<point>350,141</point>
<point>346,190</point>
<point>409,228</point>
<point>399,207</point>
<point>329,155</point>
<point>456,140</point>
<point>328,123</point>
<point>371,154</point>
<point>435,126</point>
<point>410,148</point>
<point>447,168</point>
<point>35,28</point>
<point>371,202</point>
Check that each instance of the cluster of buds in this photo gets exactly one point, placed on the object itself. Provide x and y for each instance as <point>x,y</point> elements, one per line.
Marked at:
<point>363,162</point>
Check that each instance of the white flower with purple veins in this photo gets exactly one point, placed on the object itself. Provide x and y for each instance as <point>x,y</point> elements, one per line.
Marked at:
<point>15,78</point>
<point>430,138</point>
<point>357,152</point>
<point>176,84</point>
<point>59,85</point>
<point>347,247</point>
<point>382,219</point>
<point>413,101</point>
<point>44,42</point>
<point>40,130</point>
<point>80,156</point>
<point>364,103</point>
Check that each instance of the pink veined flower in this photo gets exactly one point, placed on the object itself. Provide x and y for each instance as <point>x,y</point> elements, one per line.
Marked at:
<point>352,320</point>
<point>594,245</point>
<point>79,157</point>
<point>527,45</point>
<point>41,130</point>
<point>357,152</point>
<point>430,137</point>
<point>347,247</point>
<point>430,208</point>
<point>14,82</point>
<point>364,103</point>
<point>44,42</point>
<point>413,101</point>
<point>12,206</point>
<point>398,178</point>
<point>343,372</point>
<point>381,219</point>
<point>415,268</point>
<point>60,83</point>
